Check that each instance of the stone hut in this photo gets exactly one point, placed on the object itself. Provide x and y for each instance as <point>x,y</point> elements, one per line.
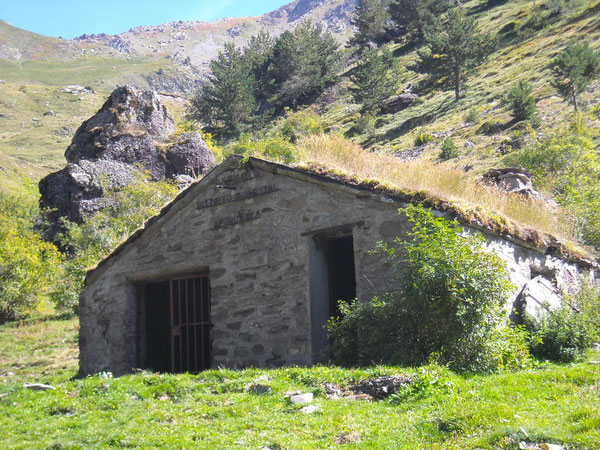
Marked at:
<point>245,267</point>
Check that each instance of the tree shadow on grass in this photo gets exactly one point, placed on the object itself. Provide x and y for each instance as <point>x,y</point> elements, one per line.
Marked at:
<point>417,121</point>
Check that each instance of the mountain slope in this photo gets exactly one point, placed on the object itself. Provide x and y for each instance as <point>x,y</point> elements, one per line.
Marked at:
<point>174,57</point>
<point>171,58</point>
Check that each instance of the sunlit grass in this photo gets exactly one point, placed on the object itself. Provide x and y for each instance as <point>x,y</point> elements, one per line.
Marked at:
<point>439,180</point>
<point>553,404</point>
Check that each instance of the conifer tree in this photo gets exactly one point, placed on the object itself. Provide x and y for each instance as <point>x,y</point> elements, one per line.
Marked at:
<point>258,54</point>
<point>304,62</point>
<point>227,101</point>
<point>521,101</point>
<point>370,20</point>
<point>372,83</point>
<point>454,46</point>
<point>408,18</point>
<point>574,69</point>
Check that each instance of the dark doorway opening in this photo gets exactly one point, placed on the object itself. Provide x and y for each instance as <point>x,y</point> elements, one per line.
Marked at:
<point>342,273</point>
<point>157,305</point>
<point>175,325</point>
<point>332,279</point>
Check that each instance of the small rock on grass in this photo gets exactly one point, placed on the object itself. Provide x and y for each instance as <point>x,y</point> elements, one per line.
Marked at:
<point>333,391</point>
<point>301,398</point>
<point>308,409</point>
<point>39,387</point>
<point>288,394</point>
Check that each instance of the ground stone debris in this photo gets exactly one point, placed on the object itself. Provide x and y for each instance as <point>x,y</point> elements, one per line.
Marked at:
<point>301,398</point>
<point>381,387</point>
<point>39,387</point>
<point>308,409</point>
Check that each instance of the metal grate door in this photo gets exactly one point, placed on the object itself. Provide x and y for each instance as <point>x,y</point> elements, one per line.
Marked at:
<point>190,324</point>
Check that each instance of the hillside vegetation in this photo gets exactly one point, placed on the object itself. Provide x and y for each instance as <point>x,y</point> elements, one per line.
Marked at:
<point>462,113</point>
<point>171,58</point>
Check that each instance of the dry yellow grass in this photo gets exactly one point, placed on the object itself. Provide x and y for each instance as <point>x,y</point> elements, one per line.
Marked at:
<point>439,181</point>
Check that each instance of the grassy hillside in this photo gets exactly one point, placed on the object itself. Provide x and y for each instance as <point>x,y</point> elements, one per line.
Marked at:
<point>34,68</point>
<point>33,144</point>
<point>522,54</point>
<point>552,404</point>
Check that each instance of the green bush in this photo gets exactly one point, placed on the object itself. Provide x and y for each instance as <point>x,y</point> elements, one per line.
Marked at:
<point>296,124</point>
<point>564,334</point>
<point>449,150</point>
<point>28,265</point>
<point>423,138</point>
<point>447,307</point>
<point>561,336</point>
<point>472,116</point>
<point>520,101</point>
<point>428,380</point>
<point>365,125</point>
<point>272,147</point>
<point>565,162</point>
<point>560,7</point>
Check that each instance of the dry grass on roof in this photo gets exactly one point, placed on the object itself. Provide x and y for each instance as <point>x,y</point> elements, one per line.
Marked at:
<point>439,182</point>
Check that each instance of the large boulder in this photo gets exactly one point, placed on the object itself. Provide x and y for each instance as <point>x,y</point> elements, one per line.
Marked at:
<point>188,155</point>
<point>513,179</point>
<point>398,102</point>
<point>538,296</point>
<point>133,130</point>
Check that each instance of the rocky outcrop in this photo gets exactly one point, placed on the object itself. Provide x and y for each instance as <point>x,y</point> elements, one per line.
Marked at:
<point>537,297</point>
<point>514,179</point>
<point>132,131</point>
<point>398,103</point>
<point>75,89</point>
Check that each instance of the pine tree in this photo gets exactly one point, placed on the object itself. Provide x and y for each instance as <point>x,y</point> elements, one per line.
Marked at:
<point>227,102</point>
<point>574,69</point>
<point>370,20</point>
<point>521,101</point>
<point>408,18</point>
<point>304,62</point>
<point>454,46</point>
<point>258,54</point>
<point>372,81</point>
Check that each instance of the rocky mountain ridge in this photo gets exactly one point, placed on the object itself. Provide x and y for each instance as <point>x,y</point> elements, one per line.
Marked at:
<point>186,43</point>
<point>171,58</point>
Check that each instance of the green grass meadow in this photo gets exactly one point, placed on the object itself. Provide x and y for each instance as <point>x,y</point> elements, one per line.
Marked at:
<point>551,404</point>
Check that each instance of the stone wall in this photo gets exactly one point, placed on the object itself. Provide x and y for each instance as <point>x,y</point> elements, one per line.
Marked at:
<point>252,227</point>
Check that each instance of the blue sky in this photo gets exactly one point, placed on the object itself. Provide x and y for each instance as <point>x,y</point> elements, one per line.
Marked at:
<point>71,18</point>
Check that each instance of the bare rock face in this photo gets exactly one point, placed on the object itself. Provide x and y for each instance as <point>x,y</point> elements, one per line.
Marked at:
<point>188,155</point>
<point>399,102</point>
<point>514,179</point>
<point>133,130</point>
